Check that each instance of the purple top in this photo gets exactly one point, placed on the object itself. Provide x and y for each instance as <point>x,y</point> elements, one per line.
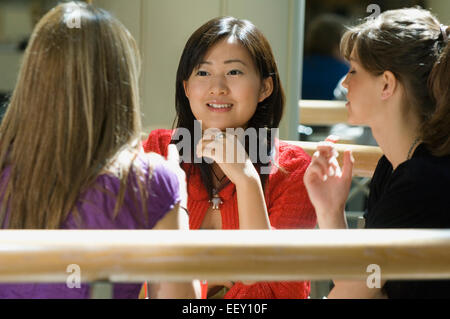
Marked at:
<point>96,208</point>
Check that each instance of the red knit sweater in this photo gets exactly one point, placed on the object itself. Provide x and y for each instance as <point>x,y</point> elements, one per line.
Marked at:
<point>287,202</point>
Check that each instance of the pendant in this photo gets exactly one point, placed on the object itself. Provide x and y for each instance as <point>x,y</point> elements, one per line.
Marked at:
<point>216,201</point>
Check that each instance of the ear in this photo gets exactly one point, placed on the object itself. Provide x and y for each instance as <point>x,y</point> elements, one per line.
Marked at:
<point>186,88</point>
<point>266,89</point>
<point>389,83</point>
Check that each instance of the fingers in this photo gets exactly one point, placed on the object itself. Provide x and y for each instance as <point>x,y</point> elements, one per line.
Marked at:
<point>221,149</point>
<point>320,166</point>
<point>327,149</point>
<point>332,139</point>
<point>206,150</point>
<point>347,168</point>
<point>325,163</point>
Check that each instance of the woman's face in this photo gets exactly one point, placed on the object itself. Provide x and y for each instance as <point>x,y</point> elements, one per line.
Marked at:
<point>225,89</point>
<point>363,93</point>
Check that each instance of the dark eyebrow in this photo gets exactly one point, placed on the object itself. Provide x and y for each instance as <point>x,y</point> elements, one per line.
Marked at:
<point>235,61</point>
<point>226,62</point>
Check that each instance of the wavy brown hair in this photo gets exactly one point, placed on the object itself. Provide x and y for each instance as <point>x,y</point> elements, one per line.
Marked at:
<point>412,45</point>
<point>74,110</point>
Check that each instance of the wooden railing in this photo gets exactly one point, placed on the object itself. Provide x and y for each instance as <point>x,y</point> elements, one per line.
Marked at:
<point>312,112</point>
<point>135,256</point>
<point>366,157</point>
<point>151,255</point>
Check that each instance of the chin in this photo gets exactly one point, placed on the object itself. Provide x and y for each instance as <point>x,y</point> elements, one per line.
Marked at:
<point>355,122</point>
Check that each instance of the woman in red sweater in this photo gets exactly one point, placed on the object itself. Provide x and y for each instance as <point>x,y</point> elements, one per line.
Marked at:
<point>228,79</point>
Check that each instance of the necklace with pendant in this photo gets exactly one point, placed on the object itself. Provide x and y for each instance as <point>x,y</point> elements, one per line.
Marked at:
<point>417,140</point>
<point>216,201</point>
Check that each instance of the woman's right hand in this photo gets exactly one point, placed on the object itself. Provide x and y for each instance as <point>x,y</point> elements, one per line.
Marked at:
<point>328,185</point>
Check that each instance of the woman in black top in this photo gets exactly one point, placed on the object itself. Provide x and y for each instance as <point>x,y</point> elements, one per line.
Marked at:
<point>398,84</point>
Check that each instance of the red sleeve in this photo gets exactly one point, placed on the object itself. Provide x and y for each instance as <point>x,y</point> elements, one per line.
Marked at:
<point>289,207</point>
<point>157,141</point>
<point>270,290</point>
<point>287,200</point>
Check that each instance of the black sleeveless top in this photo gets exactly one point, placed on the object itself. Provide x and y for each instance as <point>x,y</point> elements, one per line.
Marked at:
<point>415,195</point>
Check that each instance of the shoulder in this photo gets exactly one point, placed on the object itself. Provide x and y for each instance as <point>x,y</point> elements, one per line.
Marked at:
<point>412,196</point>
<point>158,170</point>
<point>162,183</point>
<point>425,170</point>
<point>157,141</point>
<point>382,172</point>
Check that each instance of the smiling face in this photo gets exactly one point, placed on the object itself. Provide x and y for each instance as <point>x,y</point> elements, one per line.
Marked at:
<point>225,88</point>
<point>363,95</point>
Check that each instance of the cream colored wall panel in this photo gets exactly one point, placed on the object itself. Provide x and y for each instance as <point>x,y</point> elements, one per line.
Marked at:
<point>441,8</point>
<point>163,26</point>
<point>279,21</point>
<point>270,16</point>
<point>128,12</point>
<point>9,66</point>
<point>166,28</point>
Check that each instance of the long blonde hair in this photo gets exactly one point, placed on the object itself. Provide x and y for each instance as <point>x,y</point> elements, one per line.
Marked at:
<point>75,107</point>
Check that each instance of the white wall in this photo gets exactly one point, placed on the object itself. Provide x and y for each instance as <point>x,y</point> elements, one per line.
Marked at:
<point>163,26</point>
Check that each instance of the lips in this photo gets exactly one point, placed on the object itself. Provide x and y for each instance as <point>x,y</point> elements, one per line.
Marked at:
<point>219,107</point>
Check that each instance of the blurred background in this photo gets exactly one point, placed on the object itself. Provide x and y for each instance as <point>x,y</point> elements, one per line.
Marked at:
<point>304,35</point>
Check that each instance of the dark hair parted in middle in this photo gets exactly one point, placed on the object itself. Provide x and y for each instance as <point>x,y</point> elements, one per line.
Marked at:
<point>413,45</point>
<point>268,112</point>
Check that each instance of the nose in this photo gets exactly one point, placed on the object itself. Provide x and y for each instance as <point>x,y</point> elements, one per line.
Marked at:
<point>218,86</point>
<point>345,82</point>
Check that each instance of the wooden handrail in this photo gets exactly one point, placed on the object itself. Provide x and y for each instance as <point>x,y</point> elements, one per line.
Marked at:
<point>315,112</point>
<point>366,157</point>
<point>135,256</point>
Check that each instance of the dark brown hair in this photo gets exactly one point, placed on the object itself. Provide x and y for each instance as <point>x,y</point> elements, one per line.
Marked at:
<point>412,45</point>
<point>324,35</point>
<point>268,113</point>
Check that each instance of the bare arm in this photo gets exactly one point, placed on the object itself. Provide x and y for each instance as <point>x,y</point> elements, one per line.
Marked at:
<point>240,171</point>
<point>176,219</point>
<point>328,187</point>
<point>173,220</point>
<point>251,203</point>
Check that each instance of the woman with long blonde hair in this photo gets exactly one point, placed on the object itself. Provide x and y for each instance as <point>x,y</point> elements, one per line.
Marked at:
<point>70,151</point>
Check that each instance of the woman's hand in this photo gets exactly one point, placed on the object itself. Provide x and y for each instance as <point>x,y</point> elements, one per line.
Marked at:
<point>228,153</point>
<point>328,185</point>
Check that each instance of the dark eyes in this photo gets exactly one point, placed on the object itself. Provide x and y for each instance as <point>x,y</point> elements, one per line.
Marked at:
<point>232,72</point>
<point>235,72</point>
<point>202,73</point>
